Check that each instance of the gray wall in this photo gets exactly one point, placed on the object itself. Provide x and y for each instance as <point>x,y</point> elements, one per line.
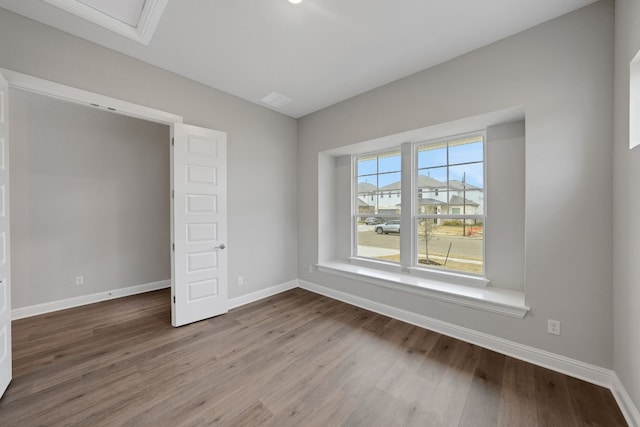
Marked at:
<point>626,207</point>
<point>561,73</point>
<point>89,196</point>
<point>261,143</point>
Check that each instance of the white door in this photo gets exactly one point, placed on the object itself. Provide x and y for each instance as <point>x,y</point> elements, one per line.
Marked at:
<point>5,276</point>
<point>198,224</point>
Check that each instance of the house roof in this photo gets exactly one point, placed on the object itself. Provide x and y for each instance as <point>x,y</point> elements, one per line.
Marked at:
<point>425,181</point>
<point>429,201</point>
<point>393,186</point>
<point>362,202</point>
<point>457,200</point>
<point>365,187</point>
<point>458,185</point>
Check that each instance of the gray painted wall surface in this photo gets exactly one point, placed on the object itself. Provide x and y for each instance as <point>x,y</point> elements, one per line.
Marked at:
<point>89,196</point>
<point>562,73</point>
<point>626,196</point>
<point>262,168</point>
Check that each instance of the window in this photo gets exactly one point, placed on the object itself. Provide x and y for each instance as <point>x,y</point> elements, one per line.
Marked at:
<point>379,173</point>
<point>451,173</point>
<point>446,213</point>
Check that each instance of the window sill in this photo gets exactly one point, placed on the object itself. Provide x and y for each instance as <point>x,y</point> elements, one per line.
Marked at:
<point>449,277</point>
<point>501,301</point>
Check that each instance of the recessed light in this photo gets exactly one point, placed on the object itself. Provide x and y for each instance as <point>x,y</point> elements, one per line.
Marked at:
<point>295,1</point>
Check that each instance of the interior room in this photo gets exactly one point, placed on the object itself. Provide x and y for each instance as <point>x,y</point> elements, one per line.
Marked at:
<point>90,185</point>
<point>507,299</point>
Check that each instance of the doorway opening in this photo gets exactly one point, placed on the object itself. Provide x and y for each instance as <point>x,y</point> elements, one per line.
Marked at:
<point>90,202</point>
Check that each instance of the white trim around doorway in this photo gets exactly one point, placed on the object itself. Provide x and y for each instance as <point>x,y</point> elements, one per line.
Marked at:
<point>94,100</point>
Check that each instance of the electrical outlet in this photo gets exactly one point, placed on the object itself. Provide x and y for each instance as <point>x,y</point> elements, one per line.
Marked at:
<point>79,280</point>
<point>240,281</point>
<point>310,269</point>
<point>553,326</point>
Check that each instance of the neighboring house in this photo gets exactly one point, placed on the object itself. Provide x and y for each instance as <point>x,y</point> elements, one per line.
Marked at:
<point>365,208</point>
<point>433,197</point>
<point>462,206</point>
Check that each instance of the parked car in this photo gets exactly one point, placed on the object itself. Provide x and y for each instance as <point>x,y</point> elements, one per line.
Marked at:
<point>372,220</point>
<point>392,226</point>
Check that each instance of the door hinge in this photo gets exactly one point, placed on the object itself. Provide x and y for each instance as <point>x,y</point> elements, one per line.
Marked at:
<point>174,299</point>
<point>172,141</point>
<point>173,194</point>
<point>173,246</point>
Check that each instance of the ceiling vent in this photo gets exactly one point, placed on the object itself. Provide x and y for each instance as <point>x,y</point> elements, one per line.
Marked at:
<point>276,100</point>
<point>134,19</point>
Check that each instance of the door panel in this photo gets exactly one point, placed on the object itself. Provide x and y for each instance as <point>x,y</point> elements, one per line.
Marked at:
<point>199,224</point>
<point>5,276</point>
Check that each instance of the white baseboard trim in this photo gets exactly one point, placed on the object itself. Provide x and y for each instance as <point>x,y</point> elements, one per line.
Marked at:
<point>628,408</point>
<point>575,368</point>
<point>48,307</point>
<point>262,293</point>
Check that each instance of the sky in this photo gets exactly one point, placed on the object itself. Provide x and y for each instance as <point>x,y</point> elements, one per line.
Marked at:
<point>432,161</point>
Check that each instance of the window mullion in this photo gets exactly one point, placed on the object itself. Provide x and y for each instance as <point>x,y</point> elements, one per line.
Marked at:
<point>408,207</point>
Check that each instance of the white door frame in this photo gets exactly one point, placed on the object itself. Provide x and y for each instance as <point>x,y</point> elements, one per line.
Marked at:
<point>90,99</point>
<point>86,98</point>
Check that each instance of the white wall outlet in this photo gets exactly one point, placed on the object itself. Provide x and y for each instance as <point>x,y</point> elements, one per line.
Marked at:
<point>79,280</point>
<point>240,280</point>
<point>310,269</point>
<point>553,326</point>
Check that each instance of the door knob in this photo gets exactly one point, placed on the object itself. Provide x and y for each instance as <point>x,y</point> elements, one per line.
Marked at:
<point>221,246</point>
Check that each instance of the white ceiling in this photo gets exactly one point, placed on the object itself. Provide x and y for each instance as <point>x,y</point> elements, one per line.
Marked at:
<point>318,52</point>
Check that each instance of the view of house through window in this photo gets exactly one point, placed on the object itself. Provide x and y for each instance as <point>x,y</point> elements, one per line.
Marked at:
<point>449,201</point>
<point>450,216</point>
<point>378,201</point>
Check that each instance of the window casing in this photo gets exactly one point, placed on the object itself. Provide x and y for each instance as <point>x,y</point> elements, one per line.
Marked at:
<point>444,215</point>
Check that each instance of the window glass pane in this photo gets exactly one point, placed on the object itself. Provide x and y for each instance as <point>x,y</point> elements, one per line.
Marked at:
<point>389,162</point>
<point>474,202</point>
<point>470,174</point>
<point>379,238</point>
<point>432,177</point>
<point>466,150</point>
<point>451,244</point>
<point>466,189</point>
<point>389,181</point>
<point>367,184</point>
<point>367,165</point>
<point>428,203</point>
<point>432,189</point>
<point>432,155</point>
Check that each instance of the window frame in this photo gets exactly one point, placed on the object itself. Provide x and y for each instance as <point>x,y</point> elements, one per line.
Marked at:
<point>410,216</point>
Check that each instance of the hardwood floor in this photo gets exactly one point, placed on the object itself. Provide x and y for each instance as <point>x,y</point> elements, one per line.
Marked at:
<point>296,359</point>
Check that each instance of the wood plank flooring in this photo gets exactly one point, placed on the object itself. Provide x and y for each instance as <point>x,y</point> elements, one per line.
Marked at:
<point>296,359</point>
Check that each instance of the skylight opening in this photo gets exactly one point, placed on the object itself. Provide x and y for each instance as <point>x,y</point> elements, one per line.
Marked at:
<point>134,19</point>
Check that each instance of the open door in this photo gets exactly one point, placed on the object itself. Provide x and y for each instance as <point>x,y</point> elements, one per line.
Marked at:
<point>5,276</point>
<point>199,287</point>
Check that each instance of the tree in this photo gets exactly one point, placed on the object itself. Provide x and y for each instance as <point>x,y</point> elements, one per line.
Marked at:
<point>426,228</point>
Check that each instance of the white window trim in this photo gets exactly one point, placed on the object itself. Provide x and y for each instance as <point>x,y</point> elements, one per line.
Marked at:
<point>408,215</point>
<point>445,285</point>
<point>391,275</point>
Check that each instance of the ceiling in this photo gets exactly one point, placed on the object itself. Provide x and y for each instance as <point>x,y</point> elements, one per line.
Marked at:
<point>318,52</point>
